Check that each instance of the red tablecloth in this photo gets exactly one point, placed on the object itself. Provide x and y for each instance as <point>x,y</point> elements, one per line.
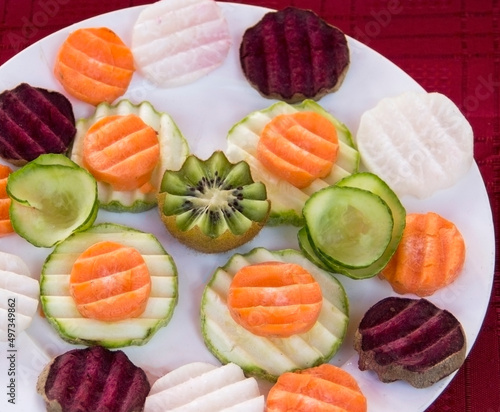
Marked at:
<point>449,46</point>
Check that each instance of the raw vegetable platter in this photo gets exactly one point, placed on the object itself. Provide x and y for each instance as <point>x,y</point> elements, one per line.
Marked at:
<point>205,111</point>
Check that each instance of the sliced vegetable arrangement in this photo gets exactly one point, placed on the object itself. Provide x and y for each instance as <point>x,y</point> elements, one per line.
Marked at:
<point>268,357</point>
<point>128,147</point>
<point>287,200</point>
<point>118,317</point>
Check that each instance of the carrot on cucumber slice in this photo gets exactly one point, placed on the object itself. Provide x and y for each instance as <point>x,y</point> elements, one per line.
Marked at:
<point>430,255</point>
<point>94,65</point>
<point>122,151</point>
<point>110,282</point>
<point>5,223</point>
<point>322,388</point>
<point>274,299</point>
<point>299,147</point>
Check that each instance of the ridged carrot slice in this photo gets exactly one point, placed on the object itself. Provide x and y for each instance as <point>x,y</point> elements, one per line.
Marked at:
<point>322,388</point>
<point>5,224</point>
<point>94,65</point>
<point>298,147</point>
<point>110,281</point>
<point>122,151</point>
<point>274,299</point>
<point>430,255</point>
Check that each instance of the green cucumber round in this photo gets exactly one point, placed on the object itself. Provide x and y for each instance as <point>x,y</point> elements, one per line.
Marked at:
<point>287,201</point>
<point>174,150</point>
<point>51,197</point>
<point>374,184</point>
<point>61,311</point>
<point>350,227</point>
<point>267,358</point>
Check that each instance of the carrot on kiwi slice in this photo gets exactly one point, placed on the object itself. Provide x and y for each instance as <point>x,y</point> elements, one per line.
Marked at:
<point>110,282</point>
<point>5,223</point>
<point>430,255</point>
<point>322,388</point>
<point>274,299</point>
<point>94,65</point>
<point>122,151</point>
<point>298,147</point>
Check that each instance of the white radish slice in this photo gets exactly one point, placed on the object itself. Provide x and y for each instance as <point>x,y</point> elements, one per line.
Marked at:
<point>417,142</point>
<point>175,42</point>
<point>202,386</point>
<point>19,295</point>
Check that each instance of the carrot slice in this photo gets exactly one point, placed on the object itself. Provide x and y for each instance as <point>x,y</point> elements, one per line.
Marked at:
<point>274,299</point>
<point>5,224</point>
<point>122,151</point>
<point>94,65</point>
<point>322,388</point>
<point>430,255</point>
<point>110,282</point>
<point>299,147</point>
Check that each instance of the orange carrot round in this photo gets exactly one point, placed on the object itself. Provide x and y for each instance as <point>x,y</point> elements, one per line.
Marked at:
<point>5,224</point>
<point>430,255</point>
<point>94,65</point>
<point>110,282</point>
<point>325,388</point>
<point>122,151</point>
<point>299,147</point>
<point>274,299</point>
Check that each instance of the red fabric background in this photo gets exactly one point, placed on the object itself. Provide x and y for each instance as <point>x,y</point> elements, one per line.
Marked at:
<point>449,46</point>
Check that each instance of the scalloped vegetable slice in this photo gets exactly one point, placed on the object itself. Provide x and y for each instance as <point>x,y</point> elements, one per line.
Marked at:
<point>417,142</point>
<point>269,357</point>
<point>173,151</point>
<point>287,200</point>
<point>218,388</point>
<point>61,309</point>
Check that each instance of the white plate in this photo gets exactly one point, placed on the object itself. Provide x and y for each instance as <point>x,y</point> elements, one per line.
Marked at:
<point>204,111</point>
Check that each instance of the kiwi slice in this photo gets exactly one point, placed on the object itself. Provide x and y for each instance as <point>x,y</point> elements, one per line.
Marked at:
<point>213,205</point>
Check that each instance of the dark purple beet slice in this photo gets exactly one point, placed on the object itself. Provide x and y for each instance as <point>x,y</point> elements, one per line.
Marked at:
<point>34,121</point>
<point>293,54</point>
<point>410,339</point>
<point>93,379</point>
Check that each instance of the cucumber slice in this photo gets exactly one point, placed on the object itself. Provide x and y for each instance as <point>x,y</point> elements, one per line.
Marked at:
<point>52,197</point>
<point>54,159</point>
<point>263,357</point>
<point>60,308</point>
<point>307,248</point>
<point>174,150</point>
<point>348,226</point>
<point>373,183</point>
<point>287,201</point>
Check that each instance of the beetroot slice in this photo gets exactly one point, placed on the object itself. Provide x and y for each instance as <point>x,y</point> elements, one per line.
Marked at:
<point>93,379</point>
<point>34,121</point>
<point>293,54</point>
<point>410,339</point>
